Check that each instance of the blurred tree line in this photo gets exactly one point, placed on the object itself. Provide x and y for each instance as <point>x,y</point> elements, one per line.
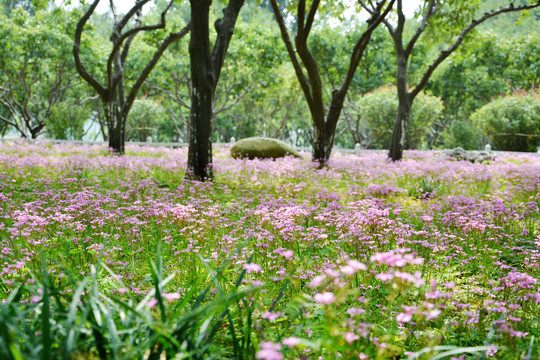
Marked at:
<point>258,94</point>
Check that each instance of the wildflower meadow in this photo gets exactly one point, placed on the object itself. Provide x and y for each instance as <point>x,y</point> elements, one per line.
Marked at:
<point>120,257</point>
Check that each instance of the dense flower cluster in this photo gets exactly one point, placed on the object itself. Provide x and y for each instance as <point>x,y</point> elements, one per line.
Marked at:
<point>343,260</point>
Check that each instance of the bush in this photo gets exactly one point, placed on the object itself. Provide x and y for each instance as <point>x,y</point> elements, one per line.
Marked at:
<point>66,121</point>
<point>146,118</point>
<point>512,122</point>
<point>378,111</point>
<point>463,134</point>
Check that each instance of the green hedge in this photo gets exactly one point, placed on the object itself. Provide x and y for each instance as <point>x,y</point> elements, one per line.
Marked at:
<point>512,122</point>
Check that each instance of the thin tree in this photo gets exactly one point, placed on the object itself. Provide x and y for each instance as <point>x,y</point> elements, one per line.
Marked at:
<point>324,120</point>
<point>116,99</point>
<point>404,49</point>
<point>206,65</point>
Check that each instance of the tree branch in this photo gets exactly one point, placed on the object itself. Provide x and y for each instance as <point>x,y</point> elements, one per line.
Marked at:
<point>338,96</point>
<point>134,10</point>
<point>431,10</point>
<point>146,71</point>
<point>118,38</point>
<point>360,46</point>
<point>225,30</point>
<point>445,53</point>
<point>225,106</point>
<point>304,83</point>
<point>77,48</point>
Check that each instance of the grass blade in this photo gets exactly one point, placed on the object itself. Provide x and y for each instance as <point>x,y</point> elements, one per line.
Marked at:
<point>45,313</point>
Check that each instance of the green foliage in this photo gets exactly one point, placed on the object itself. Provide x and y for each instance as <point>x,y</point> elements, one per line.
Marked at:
<point>378,111</point>
<point>66,121</point>
<point>464,134</point>
<point>466,81</point>
<point>510,24</point>
<point>9,5</point>
<point>146,118</point>
<point>36,73</point>
<point>512,122</point>
<point>332,47</point>
<point>78,320</point>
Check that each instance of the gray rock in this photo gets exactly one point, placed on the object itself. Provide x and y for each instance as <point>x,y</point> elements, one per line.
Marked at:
<point>472,156</point>
<point>262,148</point>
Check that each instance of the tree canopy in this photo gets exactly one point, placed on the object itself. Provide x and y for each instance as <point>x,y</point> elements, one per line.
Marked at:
<point>259,91</point>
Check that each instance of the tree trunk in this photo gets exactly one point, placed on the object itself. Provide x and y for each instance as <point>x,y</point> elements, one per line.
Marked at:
<point>116,124</point>
<point>199,166</point>
<point>405,99</point>
<point>117,141</point>
<point>400,130</point>
<point>323,141</point>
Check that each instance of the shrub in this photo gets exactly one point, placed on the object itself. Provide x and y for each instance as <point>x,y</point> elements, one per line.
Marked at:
<point>512,122</point>
<point>378,111</point>
<point>463,134</point>
<point>146,118</point>
<point>66,121</point>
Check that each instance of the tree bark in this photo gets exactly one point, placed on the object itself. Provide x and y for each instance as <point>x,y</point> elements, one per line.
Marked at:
<point>322,145</point>
<point>199,165</point>
<point>397,144</point>
<point>116,123</point>
<point>205,70</point>
<point>403,116</point>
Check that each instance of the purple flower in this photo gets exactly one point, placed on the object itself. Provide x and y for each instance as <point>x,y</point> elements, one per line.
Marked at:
<point>269,351</point>
<point>291,341</point>
<point>325,298</point>
<point>251,267</point>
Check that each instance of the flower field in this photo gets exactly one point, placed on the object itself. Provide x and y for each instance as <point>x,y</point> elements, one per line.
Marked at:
<point>108,257</point>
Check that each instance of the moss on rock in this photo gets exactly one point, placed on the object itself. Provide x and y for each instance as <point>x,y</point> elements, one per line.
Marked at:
<point>262,148</point>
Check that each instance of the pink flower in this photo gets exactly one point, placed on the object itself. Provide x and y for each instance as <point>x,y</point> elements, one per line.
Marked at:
<point>152,303</point>
<point>347,270</point>
<point>357,265</point>
<point>288,254</point>
<point>171,296</point>
<point>269,351</point>
<point>256,283</point>
<point>325,298</point>
<point>350,337</point>
<point>450,285</point>
<point>403,317</point>
<point>384,276</point>
<point>394,258</point>
<point>291,341</point>
<point>432,314</point>
<point>352,267</point>
<point>252,268</point>
<point>317,281</point>
<point>355,311</point>
<point>271,316</point>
